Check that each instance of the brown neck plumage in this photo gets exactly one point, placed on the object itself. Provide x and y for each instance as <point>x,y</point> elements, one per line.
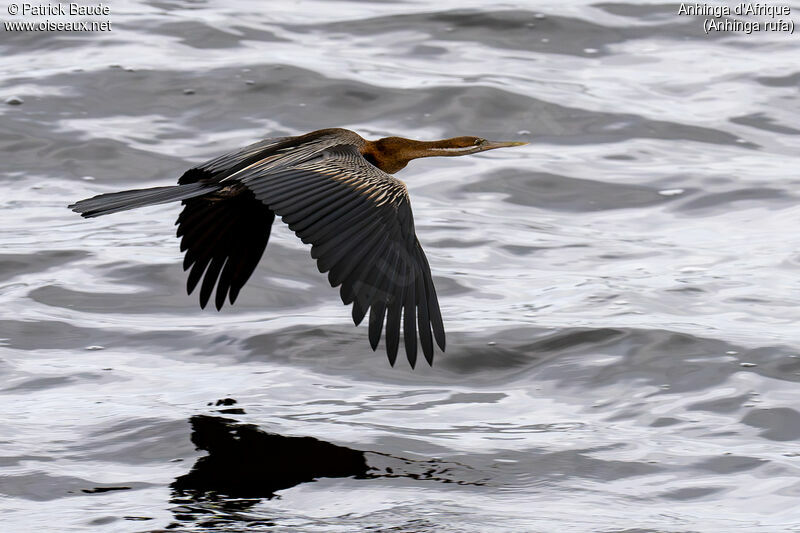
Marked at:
<point>392,154</point>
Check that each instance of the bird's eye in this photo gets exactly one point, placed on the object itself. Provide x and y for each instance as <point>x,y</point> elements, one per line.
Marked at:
<point>479,142</point>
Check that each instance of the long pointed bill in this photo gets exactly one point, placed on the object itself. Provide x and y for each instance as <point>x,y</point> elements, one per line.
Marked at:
<point>469,149</point>
<point>491,145</point>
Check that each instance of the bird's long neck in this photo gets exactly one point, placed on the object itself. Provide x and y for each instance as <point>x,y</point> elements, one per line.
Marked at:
<point>392,154</point>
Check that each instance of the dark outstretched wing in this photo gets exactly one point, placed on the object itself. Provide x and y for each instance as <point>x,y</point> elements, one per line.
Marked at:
<point>224,235</point>
<point>359,222</point>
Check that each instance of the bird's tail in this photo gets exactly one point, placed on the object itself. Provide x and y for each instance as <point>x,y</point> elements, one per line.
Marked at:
<point>114,202</point>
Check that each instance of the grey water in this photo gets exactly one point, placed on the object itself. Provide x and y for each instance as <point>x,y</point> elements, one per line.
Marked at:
<point>622,295</point>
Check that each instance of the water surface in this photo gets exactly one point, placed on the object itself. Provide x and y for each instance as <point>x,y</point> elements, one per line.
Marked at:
<point>621,295</point>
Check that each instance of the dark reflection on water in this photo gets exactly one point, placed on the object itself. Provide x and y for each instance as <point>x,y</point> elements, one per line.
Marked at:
<point>244,461</point>
<point>245,465</point>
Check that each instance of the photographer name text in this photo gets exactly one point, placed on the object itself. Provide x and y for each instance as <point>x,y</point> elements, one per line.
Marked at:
<point>33,12</point>
<point>54,10</point>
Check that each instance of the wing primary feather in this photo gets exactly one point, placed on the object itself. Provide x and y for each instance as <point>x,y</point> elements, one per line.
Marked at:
<point>433,302</point>
<point>224,283</point>
<point>245,267</point>
<point>423,320</point>
<point>393,327</point>
<point>409,319</point>
<point>210,280</point>
<point>358,312</point>
<point>376,315</point>
<point>195,274</point>
<point>394,305</point>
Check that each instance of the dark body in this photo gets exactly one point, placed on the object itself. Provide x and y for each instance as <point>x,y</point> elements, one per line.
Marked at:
<point>335,191</point>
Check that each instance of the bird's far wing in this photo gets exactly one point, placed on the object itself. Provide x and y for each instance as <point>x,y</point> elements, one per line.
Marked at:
<point>359,222</point>
<point>224,235</point>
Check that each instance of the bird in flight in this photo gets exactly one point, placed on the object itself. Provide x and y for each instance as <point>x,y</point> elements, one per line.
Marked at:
<point>336,191</point>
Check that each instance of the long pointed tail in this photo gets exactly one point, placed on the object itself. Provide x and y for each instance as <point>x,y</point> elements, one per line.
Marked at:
<point>114,202</point>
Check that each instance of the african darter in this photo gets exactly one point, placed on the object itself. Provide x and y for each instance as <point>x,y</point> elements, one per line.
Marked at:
<point>336,191</point>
